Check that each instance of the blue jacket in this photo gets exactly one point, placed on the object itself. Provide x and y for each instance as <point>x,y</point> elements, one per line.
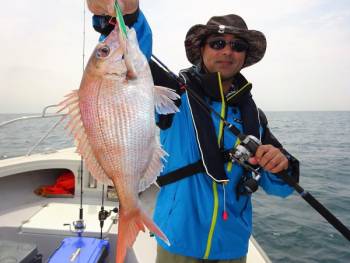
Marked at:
<point>190,211</point>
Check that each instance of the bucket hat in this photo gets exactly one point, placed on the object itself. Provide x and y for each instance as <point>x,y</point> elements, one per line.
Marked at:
<point>228,24</point>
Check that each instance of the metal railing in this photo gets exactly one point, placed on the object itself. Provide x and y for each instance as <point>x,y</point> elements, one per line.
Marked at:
<point>43,115</point>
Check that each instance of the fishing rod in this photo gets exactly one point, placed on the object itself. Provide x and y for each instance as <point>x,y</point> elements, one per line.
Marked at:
<point>104,214</point>
<point>248,147</point>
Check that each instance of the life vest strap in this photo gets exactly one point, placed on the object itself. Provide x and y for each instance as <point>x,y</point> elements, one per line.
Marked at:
<point>186,171</point>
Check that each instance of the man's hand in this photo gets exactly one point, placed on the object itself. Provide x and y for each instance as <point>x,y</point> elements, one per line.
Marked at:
<point>106,7</point>
<point>128,6</point>
<point>270,158</point>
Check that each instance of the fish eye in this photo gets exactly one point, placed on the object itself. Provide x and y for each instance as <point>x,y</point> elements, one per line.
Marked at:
<point>103,52</point>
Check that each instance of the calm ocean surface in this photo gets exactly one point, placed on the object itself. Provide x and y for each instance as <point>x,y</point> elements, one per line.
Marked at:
<point>289,230</point>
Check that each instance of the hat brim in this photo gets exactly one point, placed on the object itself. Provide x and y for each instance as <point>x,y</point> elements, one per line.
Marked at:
<point>196,35</point>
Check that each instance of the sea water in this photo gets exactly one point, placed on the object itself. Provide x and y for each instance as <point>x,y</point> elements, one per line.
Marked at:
<point>289,230</point>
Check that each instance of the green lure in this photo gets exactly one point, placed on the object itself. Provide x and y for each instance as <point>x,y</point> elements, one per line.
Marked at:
<point>120,18</point>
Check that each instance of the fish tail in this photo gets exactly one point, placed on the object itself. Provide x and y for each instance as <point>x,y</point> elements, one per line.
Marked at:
<point>128,228</point>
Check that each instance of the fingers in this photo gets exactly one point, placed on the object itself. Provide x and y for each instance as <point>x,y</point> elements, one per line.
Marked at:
<point>253,161</point>
<point>106,7</point>
<point>271,158</point>
<point>101,7</point>
<point>282,164</point>
<point>129,6</point>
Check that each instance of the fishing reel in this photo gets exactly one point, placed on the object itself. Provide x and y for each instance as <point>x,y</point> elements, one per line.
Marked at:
<point>247,148</point>
<point>104,214</point>
<point>78,227</point>
<point>241,154</point>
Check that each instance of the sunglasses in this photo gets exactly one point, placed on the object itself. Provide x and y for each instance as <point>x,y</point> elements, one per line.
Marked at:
<point>237,45</point>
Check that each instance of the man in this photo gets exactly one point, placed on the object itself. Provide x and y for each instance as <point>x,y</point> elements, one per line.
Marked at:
<point>206,211</point>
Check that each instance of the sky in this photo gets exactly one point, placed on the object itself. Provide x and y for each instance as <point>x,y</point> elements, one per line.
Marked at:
<point>306,65</point>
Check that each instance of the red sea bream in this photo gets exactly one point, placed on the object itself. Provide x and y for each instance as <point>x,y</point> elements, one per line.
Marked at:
<point>112,118</point>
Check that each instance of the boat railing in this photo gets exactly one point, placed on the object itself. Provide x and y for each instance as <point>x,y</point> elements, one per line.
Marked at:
<point>43,115</point>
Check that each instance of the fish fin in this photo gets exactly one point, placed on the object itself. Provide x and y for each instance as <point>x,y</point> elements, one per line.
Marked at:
<point>154,168</point>
<point>76,127</point>
<point>155,165</point>
<point>129,225</point>
<point>164,100</point>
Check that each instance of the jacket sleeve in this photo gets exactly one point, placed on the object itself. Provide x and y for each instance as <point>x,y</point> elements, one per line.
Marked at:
<point>271,183</point>
<point>137,20</point>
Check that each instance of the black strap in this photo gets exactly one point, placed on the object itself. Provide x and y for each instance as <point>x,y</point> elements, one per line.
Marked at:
<point>181,173</point>
<point>187,171</point>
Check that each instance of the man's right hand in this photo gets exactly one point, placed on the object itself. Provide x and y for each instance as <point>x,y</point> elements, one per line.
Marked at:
<point>106,7</point>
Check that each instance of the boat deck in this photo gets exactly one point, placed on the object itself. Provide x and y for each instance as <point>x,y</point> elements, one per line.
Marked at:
<point>26,217</point>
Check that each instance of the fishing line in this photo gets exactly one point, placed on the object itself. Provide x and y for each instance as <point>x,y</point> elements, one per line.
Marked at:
<point>120,18</point>
<point>84,32</point>
<point>81,188</point>
<point>102,211</point>
<point>79,224</point>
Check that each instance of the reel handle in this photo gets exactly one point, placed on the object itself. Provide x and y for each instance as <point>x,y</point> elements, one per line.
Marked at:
<point>251,143</point>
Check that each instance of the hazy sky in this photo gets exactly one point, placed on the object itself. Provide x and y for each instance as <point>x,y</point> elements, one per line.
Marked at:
<point>306,66</point>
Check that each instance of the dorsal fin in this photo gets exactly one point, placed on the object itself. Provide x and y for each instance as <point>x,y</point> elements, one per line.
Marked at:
<point>76,127</point>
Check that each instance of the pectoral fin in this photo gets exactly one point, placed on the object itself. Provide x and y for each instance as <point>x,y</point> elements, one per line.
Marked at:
<point>164,100</point>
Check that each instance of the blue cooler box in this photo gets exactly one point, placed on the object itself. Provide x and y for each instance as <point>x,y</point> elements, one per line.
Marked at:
<point>80,250</point>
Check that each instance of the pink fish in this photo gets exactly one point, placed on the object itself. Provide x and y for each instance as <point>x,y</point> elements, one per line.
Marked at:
<point>112,118</point>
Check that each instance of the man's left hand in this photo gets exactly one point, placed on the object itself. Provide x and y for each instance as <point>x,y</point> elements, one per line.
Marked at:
<point>270,158</point>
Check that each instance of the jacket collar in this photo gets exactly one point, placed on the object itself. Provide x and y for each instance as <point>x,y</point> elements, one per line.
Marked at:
<point>207,86</point>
